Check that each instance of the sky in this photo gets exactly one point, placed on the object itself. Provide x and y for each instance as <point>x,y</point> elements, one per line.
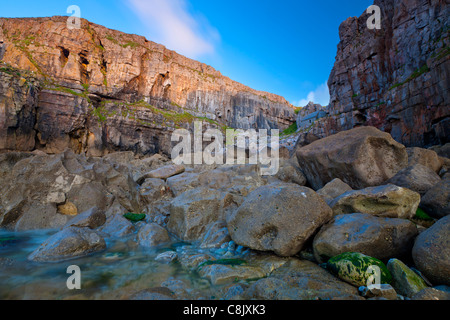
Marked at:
<point>286,47</point>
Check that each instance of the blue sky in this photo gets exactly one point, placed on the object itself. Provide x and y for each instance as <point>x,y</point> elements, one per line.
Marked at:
<point>286,47</point>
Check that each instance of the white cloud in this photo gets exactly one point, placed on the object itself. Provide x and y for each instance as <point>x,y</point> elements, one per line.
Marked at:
<point>321,96</point>
<point>170,23</point>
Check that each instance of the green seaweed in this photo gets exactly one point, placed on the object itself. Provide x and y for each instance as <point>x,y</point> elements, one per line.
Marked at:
<point>422,215</point>
<point>134,217</point>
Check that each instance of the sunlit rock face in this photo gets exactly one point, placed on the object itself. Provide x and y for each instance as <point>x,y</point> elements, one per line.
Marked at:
<point>94,89</point>
<point>395,78</point>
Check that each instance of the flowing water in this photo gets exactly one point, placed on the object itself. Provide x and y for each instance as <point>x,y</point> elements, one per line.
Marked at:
<point>116,273</point>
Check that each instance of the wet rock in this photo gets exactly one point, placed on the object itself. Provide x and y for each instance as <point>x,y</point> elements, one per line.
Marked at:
<point>431,252</point>
<point>69,243</point>
<point>216,236</point>
<point>35,216</point>
<point>362,157</point>
<point>116,226</point>
<point>300,280</point>
<point>167,257</point>
<point>417,178</point>
<point>381,238</point>
<point>278,218</point>
<point>436,202</point>
<point>425,157</point>
<point>358,269</point>
<point>92,219</point>
<point>223,274</point>
<point>405,281</point>
<point>385,291</point>
<point>191,262</point>
<point>152,235</point>
<point>161,293</point>
<point>333,189</point>
<point>192,212</point>
<point>431,294</point>
<point>385,201</point>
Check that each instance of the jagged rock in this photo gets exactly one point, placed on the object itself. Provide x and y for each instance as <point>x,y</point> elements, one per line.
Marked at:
<point>396,78</point>
<point>116,226</point>
<point>162,173</point>
<point>361,157</point>
<point>431,252</point>
<point>152,235</point>
<point>69,243</point>
<point>333,189</point>
<point>183,182</point>
<point>418,178</point>
<point>216,236</point>
<point>385,201</point>
<point>92,219</point>
<point>381,238</point>
<point>425,157</point>
<point>357,269</point>
<point>405,281</point>
<point>192,212</point>
<point>279,218</point>
<point>153,190</point>
<point>436,202</point>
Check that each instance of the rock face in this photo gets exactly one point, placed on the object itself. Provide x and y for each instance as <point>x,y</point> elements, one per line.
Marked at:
<point>278,218</point>
<point>395,78</point>
<point>431,252</point>
<point>361,157</point>
<point>112,91</point>
<point>381,238</point>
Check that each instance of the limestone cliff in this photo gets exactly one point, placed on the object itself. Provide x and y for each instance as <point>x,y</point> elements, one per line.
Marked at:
<point>396,78</point>
<point>94,89</point>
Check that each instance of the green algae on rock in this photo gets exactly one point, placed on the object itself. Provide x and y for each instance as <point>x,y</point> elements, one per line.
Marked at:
<point>405,281</point>
<point>135,217</point>
<point>357,268</point>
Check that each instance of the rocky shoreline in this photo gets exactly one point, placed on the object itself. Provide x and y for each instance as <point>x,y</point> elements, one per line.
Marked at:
<point>314,231</point>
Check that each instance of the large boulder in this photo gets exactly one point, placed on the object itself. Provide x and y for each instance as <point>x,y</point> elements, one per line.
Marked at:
<point>362,157</point>
<point>193,212</point>
<point>381,238</point>
<point>359,269</point>
<point>405,281</point>
<point>436,202</point>
<point>418,178</point>
<point>278,217</point>
<point>385,201</point>
<point>425,157</point>
<point>431,252</point>
<point>69,243</point>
